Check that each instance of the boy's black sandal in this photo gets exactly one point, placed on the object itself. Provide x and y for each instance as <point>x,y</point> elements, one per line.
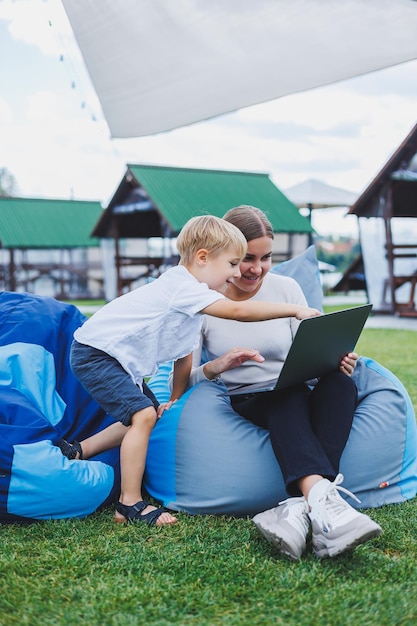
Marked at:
<point>134,513</point>
<point>70,450</point>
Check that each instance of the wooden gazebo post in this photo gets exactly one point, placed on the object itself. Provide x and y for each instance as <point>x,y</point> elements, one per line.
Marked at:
<point>389,246</point>
<point>12,271</point>
<point>117,259</point>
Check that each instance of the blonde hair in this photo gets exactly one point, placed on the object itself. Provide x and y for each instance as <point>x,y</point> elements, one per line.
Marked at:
<point>251,221</point>
<point>210,233</point>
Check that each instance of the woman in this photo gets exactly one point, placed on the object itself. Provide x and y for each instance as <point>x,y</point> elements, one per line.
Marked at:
<point>309,425</point>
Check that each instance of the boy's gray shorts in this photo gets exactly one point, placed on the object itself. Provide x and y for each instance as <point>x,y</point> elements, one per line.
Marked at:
<point>109,384</point>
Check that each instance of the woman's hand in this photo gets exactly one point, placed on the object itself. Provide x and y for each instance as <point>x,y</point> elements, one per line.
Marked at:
<point>348,363</point>
<point>231,359</point>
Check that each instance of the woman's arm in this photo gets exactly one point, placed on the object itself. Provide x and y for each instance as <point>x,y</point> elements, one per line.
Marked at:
<point>228,361</point>
<point>214,368</point>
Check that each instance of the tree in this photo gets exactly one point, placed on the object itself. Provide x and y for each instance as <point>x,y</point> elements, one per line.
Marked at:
<point>8,184</point>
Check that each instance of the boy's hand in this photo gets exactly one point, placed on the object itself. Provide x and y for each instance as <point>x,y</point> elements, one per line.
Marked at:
<point>302,312</point>
<point>164,406</point>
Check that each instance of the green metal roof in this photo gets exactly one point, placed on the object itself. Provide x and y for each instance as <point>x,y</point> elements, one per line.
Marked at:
<point>181,193</point>
<point>47,223</point>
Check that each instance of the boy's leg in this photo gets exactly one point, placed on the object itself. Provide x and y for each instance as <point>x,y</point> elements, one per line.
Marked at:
<point>110,437</point>
<point>113,389</point>
<point>133,452</point>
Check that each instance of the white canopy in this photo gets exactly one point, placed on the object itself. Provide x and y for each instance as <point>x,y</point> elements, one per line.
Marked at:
<point>161,64</point>
<point>315,194</point>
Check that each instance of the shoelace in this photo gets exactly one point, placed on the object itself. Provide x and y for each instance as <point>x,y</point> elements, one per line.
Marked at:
<point>331,501</point>
<point>300,521</point>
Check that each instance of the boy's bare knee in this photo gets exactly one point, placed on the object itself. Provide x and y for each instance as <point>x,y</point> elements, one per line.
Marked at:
<point>145,418</point>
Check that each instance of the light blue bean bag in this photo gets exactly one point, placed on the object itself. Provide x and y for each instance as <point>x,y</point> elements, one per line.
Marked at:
<point>204,458</point>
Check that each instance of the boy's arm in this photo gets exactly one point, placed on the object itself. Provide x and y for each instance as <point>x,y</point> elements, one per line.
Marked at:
<point>181,375</point>
<point>257,311</point>
<point>182,370</point>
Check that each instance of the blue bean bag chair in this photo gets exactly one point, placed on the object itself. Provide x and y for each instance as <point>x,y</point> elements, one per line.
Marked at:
<point>40,402</point>
<point>204,458</point>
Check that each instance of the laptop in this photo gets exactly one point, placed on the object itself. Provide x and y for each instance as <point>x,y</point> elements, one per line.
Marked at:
<point>319,345</point>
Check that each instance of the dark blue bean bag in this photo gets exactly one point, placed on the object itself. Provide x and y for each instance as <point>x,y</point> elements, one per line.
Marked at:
<point>40,402</point>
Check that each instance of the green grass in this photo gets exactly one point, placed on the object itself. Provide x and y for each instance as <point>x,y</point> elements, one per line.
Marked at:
<point>395,349</point>
<point>82,303</point>
<point>212,570</point>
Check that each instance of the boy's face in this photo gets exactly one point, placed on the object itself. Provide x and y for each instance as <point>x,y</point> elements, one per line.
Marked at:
<point>219,270</point>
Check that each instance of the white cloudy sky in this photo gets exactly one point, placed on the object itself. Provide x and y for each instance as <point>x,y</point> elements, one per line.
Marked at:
<point>55,140</point>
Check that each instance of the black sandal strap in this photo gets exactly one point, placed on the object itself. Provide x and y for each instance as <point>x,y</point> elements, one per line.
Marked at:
<point>134,513</point>
<point>152,517</point>
<point>70,450</point>
<point>131,512</point>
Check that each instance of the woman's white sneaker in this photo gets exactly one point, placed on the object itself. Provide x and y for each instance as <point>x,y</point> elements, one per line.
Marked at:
<point>286,526</point>
<point>337,527</point>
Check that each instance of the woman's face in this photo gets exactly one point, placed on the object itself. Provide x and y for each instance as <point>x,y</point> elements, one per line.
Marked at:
<point>255,265</point>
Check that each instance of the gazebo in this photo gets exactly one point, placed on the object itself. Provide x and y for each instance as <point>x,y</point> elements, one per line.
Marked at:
<point>387,212</point>
<point>45,247</point>
<point>152,204</point>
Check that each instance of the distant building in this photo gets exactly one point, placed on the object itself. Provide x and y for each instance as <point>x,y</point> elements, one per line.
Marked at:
<point>387,212</point>
<point>46,248</point>
<point>152,203</point>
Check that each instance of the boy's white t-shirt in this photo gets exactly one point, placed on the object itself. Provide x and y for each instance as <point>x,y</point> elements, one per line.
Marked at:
<point>156,323</point>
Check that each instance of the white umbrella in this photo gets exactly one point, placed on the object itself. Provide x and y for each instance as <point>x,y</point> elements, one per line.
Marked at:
<point>315,194</point>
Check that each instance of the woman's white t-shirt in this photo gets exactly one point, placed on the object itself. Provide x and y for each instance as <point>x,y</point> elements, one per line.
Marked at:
<point>272,338</point>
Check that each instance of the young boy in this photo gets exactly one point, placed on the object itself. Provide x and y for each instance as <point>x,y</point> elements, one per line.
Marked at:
<point>128,338</point>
